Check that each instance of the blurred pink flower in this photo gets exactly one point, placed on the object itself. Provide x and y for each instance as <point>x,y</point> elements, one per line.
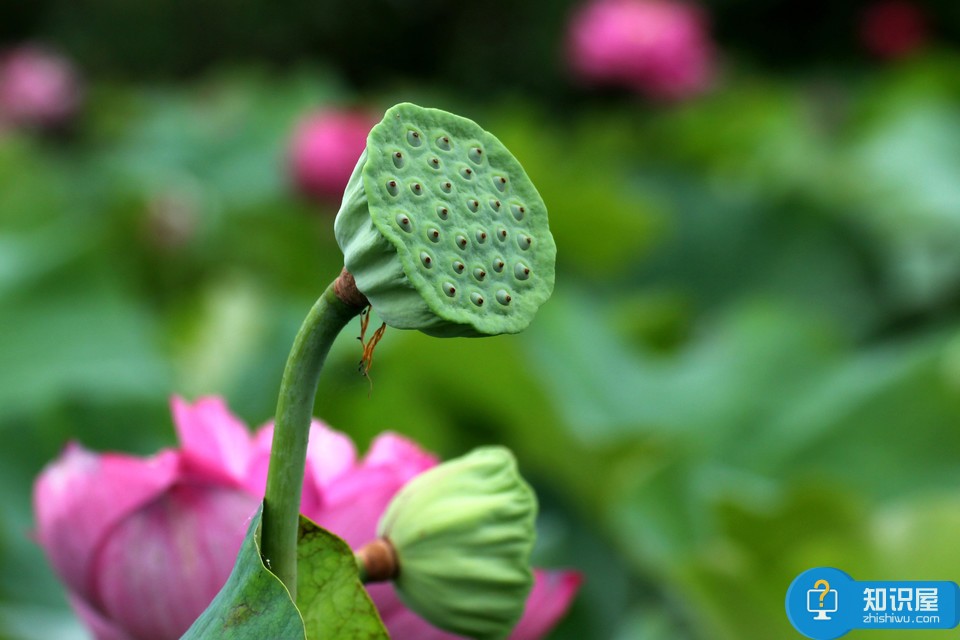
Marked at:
<point>143,545</point>
<point>893,29</point>
<point>324,150</point>
<point>38,88</point>
<point>659,48</point>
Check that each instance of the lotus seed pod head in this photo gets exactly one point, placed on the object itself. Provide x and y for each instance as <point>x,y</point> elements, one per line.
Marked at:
<point>435,220</point>
<point>462,533</point>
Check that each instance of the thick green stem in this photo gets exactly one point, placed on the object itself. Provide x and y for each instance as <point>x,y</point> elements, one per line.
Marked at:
<point>281,503</point>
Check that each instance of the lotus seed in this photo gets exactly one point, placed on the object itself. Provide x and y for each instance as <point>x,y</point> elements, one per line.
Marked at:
<point>446,187</point>
<point>444,143</point>
<point>500,183</point>
<point>459,267</point>
<point>404,222</point>
<point>502,234</point>
<point>413,138</point>
<point>433,235</point>
<point>524,242</point>
<point>495,205</point>
<point>392,187</point>
<point>443,212</point>
<point>498,265</point>
<point>518,211</point>
<point>435,163</point>
<point>473,205</point>
<point>476,154</point>
<point>461,242</point>
<point>449,289</point>
<point>398,160</point>
<point>476,299</point>
<point>417,189</point>
<point>479,274</point>
<point>426,259</point>
<point>467,173</point>
<point>503,297</point>
<point>481,236</point>
<point>521,271</point>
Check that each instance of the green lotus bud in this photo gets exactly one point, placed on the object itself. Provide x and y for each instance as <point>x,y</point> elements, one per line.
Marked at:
<point>462,533</point>
<point>443,230</point>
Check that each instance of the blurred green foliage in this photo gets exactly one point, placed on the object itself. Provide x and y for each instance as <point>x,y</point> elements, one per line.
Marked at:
<point>750,366</point>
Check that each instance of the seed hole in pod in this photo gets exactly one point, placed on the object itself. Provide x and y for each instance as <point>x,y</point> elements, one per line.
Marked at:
<point>414,139</point>
<point>403,221</point>
<point>521,271</point>
<point>461,241</point>
<point>392,187</point>
<point>446,187</point>
<point>426,259</point>
<point>495,205</point>
<point>473,205</point>
<point>434,163</point>
<point>518,211</point>
<point>479,274</point>
<point>502,234</point>
<point>417,189</point>
<point>466,173</point>
<point>398,159</point>
<point>481,236</point>
<point>443,212</point>
<point>476,299</point>
<point>503,297</point>
<point>500,183</point>
<point>498,265</point>
<point>449,289</point>
<point>476,154</point>
<point>433,235</point>
<point>524,242</point>
<point>458,267</point>
<point>444,143</point>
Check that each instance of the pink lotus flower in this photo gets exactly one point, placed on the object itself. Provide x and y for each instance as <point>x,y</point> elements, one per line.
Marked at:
<point>143,545</point>
<point>38,88</point>
<point>324,150</point>
<point>893,29</point>
<point>659,48</point>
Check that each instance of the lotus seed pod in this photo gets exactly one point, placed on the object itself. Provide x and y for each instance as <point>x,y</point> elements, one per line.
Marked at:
<point>462,533</point>
<point>454,193</point>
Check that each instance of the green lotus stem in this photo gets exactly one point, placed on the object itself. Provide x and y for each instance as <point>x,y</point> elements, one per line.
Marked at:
<point>281,504</point>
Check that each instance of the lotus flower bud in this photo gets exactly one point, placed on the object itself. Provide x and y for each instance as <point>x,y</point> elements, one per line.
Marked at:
<point>443,230</point>
<point>324,147</point>
<point>893,29</point>
<point>38,88</point>
<point>462,533</point>
<point>660,48</point>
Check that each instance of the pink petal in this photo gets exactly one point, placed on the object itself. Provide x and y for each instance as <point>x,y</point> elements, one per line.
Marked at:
<point>353,504</point>
<point>255,478</point>
<point>330,454</point>
<point>552,593</point>
<point>81,496</point>
<point>212,439</point>
<point>161,566</point>
<point>399,453</point>
<point>103,629</point>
